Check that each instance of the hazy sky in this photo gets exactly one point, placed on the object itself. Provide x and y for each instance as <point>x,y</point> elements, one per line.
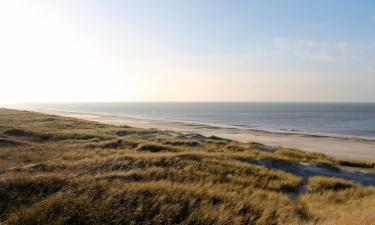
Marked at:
<point>191,50</point>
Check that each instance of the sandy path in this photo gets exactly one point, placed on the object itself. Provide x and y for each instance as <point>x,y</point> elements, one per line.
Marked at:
<point>349,148</point>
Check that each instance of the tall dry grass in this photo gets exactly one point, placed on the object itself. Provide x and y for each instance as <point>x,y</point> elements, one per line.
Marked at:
<point>67,171</point>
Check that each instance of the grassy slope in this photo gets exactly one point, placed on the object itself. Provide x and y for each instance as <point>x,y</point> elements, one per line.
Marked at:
<point>56,170</point>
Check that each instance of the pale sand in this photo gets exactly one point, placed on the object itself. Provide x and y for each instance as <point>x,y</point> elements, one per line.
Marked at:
<point>340,147</point>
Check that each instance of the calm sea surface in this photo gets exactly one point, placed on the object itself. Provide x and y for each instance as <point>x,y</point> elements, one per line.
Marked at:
<point>337,119</point>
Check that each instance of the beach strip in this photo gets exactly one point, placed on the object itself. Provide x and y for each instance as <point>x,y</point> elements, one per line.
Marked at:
<point>339,147</point>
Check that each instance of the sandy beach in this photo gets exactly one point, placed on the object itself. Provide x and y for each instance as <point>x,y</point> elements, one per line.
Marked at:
<point>339,147</point>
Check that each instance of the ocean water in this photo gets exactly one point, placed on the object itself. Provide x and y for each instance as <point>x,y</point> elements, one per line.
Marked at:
<point>332,119</point>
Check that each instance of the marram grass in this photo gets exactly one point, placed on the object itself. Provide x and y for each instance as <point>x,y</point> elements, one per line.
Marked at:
<point>56,170</point>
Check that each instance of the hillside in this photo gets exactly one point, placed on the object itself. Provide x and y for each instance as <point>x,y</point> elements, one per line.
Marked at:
<point>58,170</point>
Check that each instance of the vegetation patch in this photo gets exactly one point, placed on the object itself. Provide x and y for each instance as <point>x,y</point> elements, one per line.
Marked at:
<point>9,143</point>
<point>357,164</point>
<point>58,170</point>
<point>150,147</point>
<point>184,143</point>
<point>24,190</point>
<point>27,134</point>
<point>319,184</point>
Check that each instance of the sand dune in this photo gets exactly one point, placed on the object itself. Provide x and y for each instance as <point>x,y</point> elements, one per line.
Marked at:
<point>340,147</point>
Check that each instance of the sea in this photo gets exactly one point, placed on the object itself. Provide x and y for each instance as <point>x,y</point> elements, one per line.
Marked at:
<point>328,119</point>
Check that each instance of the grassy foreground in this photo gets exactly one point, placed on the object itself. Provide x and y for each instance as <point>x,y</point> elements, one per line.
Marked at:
<point>56,170</point>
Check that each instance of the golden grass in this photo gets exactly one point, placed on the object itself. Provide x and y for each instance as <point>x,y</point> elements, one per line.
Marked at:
<point>341,200</point>
<point>56,170</point>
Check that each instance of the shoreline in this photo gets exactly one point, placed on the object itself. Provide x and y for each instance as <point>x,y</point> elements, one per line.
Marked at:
<point>339,147</point>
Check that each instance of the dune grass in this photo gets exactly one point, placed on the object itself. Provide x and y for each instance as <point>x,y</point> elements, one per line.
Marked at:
<point>56,170</point>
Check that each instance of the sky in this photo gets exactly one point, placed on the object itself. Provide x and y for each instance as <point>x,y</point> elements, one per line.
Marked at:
<point>187,50</point>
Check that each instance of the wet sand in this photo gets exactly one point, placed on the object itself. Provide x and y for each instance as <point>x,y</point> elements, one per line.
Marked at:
<point>339,147</point>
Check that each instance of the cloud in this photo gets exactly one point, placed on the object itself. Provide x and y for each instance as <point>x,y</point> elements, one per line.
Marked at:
<point>279,41</point>
<point>299,44</point>
<point>312,56</point>
<point>309,49</point>
<point>322,50</point>
<point>342,45</point>
<point>308,43</point>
